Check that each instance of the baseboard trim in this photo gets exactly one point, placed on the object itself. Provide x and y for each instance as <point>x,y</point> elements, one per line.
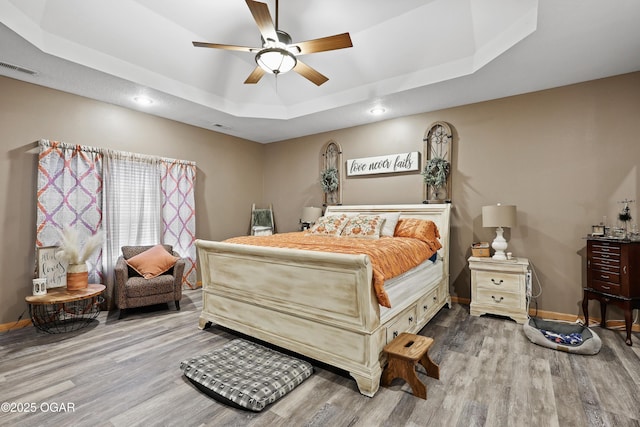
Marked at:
<point>552,315</point>
<point>463,301</point>
<point>4,327</point>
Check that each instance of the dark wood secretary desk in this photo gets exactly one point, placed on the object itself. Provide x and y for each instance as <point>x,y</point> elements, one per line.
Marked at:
<point>613,277</point>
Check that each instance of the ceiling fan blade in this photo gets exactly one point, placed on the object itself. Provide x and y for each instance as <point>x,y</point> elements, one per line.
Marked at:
<point>309,73</point>
<point>226,46</point>
<point>339,41</point>
<point>261,15</point>
<point>255,76</point>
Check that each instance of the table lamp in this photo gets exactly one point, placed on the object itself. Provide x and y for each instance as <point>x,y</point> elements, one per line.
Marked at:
<point>309,216</point>
<point>499,216</point>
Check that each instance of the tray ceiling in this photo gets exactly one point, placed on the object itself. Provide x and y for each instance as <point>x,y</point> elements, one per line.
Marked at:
<point>409,56</point>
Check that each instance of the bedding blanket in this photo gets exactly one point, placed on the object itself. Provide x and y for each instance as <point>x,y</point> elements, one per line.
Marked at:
<point>390,256</point>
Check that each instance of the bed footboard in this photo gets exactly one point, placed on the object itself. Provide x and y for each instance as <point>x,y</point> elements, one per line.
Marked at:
<point>317,304</point>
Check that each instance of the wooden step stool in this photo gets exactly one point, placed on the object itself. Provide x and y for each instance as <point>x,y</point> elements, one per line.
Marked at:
<point>403,353</point>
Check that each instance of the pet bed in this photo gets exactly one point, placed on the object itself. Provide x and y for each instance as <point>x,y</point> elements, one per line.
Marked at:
<point>246,375</point>
<point>567,337</point>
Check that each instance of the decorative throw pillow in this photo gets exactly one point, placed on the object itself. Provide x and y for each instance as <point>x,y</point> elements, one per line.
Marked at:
<point>330,225</point>
<point>363,226</point>
<point>152,262</point>
<point>421,229</point>
<point>390,222</point>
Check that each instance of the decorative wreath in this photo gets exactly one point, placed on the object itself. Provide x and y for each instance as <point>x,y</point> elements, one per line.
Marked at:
<point>329,180</point>
<point>436,171</point>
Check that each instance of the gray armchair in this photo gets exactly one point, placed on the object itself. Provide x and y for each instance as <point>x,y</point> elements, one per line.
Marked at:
<point>133,290</point>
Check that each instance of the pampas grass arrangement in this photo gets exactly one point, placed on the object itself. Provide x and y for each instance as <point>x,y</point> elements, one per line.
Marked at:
<point>70,246</point>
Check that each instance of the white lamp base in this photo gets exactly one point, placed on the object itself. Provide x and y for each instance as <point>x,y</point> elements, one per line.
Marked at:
<point>499,245</point>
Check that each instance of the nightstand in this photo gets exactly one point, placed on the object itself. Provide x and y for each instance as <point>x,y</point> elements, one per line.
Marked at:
<point>499,287</point>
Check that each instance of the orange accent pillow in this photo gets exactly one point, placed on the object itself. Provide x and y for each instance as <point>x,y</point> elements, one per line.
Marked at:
<point>152,262</point>
<point>421,229</point>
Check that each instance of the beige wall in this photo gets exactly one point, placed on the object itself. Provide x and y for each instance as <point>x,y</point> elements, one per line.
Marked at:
<point>564,156</point>
<point>229,176</point>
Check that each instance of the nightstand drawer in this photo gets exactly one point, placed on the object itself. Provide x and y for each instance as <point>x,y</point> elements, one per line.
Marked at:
<point>499,299</point>
<point>494,281</point>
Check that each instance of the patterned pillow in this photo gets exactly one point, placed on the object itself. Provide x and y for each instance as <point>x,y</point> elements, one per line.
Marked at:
<point>363,226</point>
<point>246,375</point>
<point>421,229</point>
<point>330,225</point>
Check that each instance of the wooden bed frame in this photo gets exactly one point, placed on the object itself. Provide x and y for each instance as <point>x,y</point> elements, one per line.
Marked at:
<point>317,304</point>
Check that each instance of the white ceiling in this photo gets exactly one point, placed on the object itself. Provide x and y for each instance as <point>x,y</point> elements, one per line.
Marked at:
<point>409,56</point>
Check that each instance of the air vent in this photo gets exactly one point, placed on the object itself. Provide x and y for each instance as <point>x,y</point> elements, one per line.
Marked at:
<point>17,68</point>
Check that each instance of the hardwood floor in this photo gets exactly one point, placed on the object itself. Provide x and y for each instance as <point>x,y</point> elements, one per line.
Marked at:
<point>126,373</point>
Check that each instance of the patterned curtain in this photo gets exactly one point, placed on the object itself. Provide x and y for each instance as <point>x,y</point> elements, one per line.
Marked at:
<point>179,213</point>
<point>146,200</point>
<point>69,195</point>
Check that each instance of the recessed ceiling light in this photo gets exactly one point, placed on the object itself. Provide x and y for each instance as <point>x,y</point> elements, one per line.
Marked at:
<point>143,100</point>
<point>377,111</point>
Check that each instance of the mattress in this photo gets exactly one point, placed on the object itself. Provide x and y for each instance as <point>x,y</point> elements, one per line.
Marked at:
<point>409,285</point>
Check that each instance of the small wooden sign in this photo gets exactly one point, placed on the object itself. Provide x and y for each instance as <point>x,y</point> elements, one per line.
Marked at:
<point>393,163</point>
<point>51,268</point>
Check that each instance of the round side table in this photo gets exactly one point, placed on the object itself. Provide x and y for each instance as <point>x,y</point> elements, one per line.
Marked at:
<point>61,310</point>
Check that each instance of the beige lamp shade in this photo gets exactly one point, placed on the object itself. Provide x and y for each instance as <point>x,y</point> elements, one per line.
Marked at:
<point>310,214</point>
<point>499,216</point>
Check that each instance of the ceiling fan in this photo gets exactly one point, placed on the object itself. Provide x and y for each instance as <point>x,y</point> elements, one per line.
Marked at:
<point>277,54</point>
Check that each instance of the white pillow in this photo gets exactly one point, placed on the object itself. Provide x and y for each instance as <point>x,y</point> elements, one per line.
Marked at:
<point>389,226</point>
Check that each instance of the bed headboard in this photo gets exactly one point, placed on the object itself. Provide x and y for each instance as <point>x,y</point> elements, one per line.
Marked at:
<point>438,213</point>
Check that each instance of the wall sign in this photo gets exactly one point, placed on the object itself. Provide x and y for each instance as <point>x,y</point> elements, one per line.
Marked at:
<point>393,163</point>
<point>51,268</point>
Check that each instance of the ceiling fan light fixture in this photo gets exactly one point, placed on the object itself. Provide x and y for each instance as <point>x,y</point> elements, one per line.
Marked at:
<point>276,60</point>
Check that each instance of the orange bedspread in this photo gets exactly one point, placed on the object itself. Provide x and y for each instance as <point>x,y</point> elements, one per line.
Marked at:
<point>390,256</point>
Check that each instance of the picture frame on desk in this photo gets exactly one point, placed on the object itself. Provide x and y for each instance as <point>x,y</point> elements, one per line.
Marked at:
<point>50,268</point>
